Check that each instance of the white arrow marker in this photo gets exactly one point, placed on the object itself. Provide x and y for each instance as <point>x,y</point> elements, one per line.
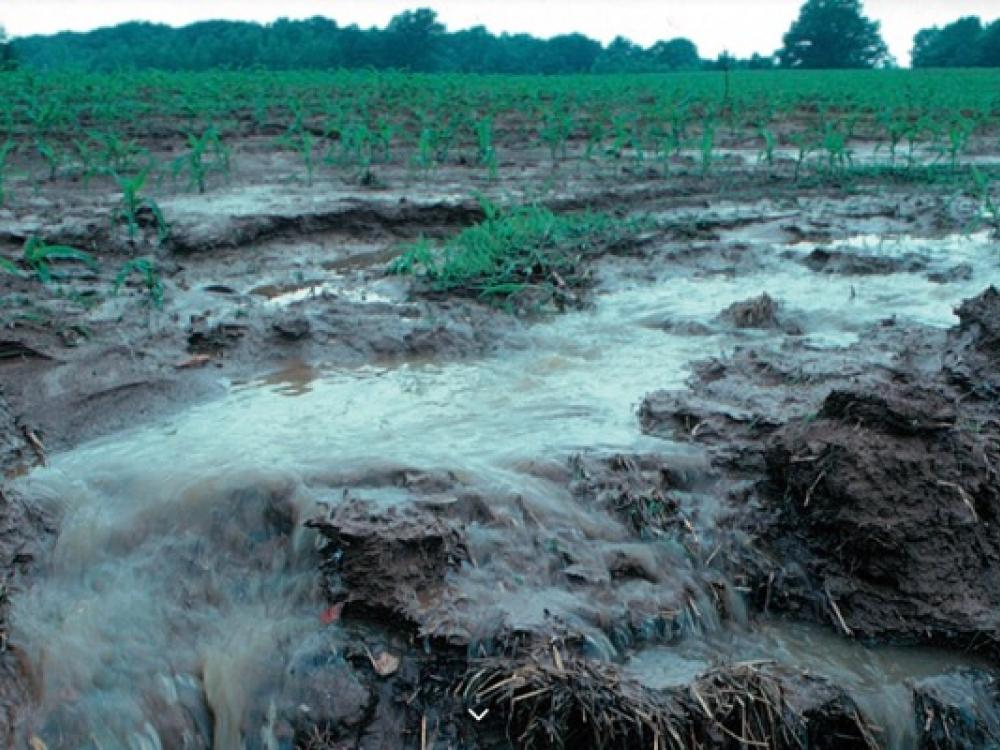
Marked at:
<point>479,716</point>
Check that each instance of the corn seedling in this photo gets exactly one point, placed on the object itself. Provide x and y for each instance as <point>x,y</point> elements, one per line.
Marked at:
<point>423,157</point>
<point>385,131</point>
<point>679,126</point>
<point>206,153</point>
<point>89,165</point>
<point>6,149</point>
<point>896,127</point>
<point>835,144</point>
<point>804,145</point>
<point>486,153</point>
<point>766,154</point>
<point>959,132</point>
<point>707,144</point>
<point>37,256</point>
<point>622,133</point>
<point>149,275</point>
<point>132,203</point>
<point>117,155</point>
<point>595,137</point>
<point>52,154</point>
<point>555,134</point>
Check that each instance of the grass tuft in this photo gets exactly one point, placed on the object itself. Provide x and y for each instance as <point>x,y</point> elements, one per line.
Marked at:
<point>511,253</point>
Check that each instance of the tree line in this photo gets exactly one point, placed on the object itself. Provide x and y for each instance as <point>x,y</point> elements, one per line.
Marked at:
<point>966,43</point>
<point>827,34</point>
<point>414,40</point>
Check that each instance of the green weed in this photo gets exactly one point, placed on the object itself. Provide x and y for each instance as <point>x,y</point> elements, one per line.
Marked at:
<point>514,251</point>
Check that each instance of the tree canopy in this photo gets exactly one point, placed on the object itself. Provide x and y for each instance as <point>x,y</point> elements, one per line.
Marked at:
<point>414,40</point>
<point>827,34</point>
<point>966,43</point>
<point>833,34</point>
<point>7,58</point>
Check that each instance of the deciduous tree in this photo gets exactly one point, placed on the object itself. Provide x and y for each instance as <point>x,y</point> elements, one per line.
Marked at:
<point>833,34</point>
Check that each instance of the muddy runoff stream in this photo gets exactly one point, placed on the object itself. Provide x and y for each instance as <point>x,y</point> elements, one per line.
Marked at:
<point>182,604</point>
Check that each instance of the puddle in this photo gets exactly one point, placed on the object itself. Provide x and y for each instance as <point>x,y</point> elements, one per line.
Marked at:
<point>294,379</point>
<point>183,584</point>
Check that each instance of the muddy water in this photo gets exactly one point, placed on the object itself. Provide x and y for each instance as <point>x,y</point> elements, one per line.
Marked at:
<point>182,591</point>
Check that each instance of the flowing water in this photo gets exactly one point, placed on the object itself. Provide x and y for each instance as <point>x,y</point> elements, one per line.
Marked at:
<point>182,594</point>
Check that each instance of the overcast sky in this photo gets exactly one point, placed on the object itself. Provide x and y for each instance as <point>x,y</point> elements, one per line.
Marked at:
<point>741,26</point>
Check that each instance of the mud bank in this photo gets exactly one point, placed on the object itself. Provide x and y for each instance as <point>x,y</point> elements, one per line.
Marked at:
<point>875,493</point>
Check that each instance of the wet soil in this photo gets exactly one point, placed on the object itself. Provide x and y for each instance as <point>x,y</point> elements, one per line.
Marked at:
<point>874,490</point>
<point>842,475</point>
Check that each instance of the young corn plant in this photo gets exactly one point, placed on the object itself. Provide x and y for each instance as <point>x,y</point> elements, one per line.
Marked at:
<point>305,147</point>
<point>487,154</point>
<point>149,275</point>
<point>6,149</point>
<point>424,158</point>
<point>132,203</point>
<point>915,135</point>
<point>896,126</point>
<point>556,131</point>
<point>385,132</point>
<point>959,133</point>
<point>804,146</point>
<point>206,153</point>
<point>88,159</point>
<point>595,137</point>
<point>357,146</point>
<point>638,140</point>
<point>707,144</point>
<point>766,154</point>
<point>679,120</point>
<point>622,135</point>
<point>52,154</point>
<point>835,144</point>
<point>38,255</point>
<point>118,156</point>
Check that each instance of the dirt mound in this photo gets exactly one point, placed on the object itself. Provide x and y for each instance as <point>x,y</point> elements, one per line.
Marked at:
<point>22,531</point>
<point>847,263</point>
<point>762,312</point>
<point>733,403</point>
<point>387,561</point>
<point>14,448</point>
<point>960,709</point>
<point>867,475</point>
<point>960,272</point>
<point>637,491</point>
<point>973,354</point>
<point>891,507</point>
